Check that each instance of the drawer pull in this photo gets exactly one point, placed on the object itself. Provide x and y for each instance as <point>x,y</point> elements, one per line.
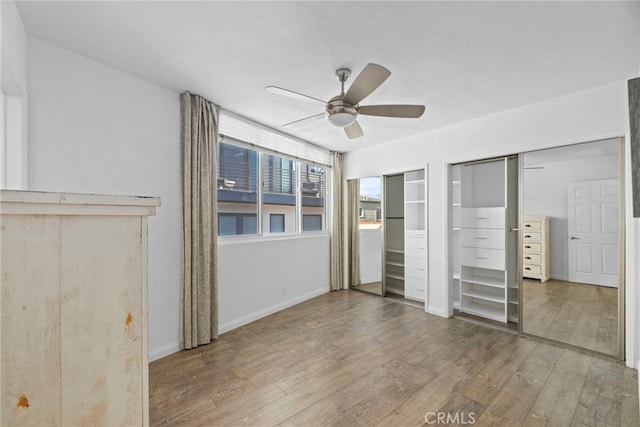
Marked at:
<point>481,257</point>
<point>527,268</point>
<point>528,236</point>
<point>481,238</point>
<point>419,248</point>
<point>420,289</point>
<point>527,247</point>
<point>483,217</point>
<point>527,257</point>
<point>527,225</point>
<point>418,268</point>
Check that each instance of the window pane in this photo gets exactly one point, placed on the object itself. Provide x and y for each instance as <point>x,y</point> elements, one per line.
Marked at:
<point>311,222</point>
<point>370,208</point>
<point>227,225</point>
<point>237,190</point>
<point>312,187</point>
<point>278,191</point>
<point>276,223</point>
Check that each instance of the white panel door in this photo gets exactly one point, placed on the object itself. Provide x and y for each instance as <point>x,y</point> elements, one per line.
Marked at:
<point>593,232</point>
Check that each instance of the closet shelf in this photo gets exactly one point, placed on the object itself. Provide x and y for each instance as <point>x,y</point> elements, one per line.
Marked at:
<point>413,201</point>
<point>415,181</point>
<point>394,251</point>
<point>486,281</point>
<point>394,276</point>
<point>395,264</point>
<point>488,296</point>
<point>484,311</point>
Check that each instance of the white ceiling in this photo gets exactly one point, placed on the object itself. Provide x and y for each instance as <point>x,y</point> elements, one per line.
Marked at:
<point>463,60</point>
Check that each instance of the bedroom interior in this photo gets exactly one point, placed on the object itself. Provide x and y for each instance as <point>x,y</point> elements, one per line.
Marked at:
<point>494,233</point>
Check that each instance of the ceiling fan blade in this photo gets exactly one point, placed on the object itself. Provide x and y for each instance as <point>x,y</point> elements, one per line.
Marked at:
<point>291,94</point>
<point>406,111</point>
<point>369,79</point>
<point>315,116</point>
<point>353,131</point>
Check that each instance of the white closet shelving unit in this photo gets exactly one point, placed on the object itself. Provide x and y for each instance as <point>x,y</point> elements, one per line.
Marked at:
<point>455,191</point>
<point>394,266</point>
<point>483,238</point>
<point>415,242</point>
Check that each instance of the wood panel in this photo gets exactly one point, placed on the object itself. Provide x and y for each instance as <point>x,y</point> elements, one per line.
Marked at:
<point>350,358</point>
<point>102,328</point>
<point>30,300</point>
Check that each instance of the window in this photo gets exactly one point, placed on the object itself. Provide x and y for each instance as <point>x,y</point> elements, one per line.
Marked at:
<point>268,182</point>
<point>370,207</point>
<point>312,222</point>
<point>230,224</point>
<point>279,178</point>
<point>237,190</point>
<point>378,213</point>
<point>361,212</point>
<point>276,223</point>
<point>312,187</point>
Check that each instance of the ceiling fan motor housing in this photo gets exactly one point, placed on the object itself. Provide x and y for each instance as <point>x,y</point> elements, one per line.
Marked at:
<point>341,113</point>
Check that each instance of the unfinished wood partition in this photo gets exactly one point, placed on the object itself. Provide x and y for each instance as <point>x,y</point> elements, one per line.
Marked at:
<point>74,309</point>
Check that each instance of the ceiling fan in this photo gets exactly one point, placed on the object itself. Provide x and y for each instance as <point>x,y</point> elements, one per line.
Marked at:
<point>343,110</point>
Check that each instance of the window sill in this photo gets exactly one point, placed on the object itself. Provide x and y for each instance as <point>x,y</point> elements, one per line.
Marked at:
<point>234,240</point>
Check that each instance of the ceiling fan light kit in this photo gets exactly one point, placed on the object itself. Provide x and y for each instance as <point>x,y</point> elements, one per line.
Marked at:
<point>343,110</point>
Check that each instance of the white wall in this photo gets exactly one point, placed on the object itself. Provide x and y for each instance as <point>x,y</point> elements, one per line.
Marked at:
<point>545,193</point>
<point>13,106</point>
<point>95,129</point>
<point>595,114</point>
<point>260,276</point>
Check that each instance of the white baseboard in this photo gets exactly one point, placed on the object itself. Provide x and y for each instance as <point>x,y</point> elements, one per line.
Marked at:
<point>437,311</point>
<point>165,350</point>
<point>558,277</point>
<point>229,326</point>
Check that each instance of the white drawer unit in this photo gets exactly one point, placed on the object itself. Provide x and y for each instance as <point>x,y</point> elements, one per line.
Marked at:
<point>414,288</point>
<point>482,238</point>
<point>482,218</point>
<point>415,246</point>
<point>535,248</point>
<point>414,267</point>
<point>483,258</point>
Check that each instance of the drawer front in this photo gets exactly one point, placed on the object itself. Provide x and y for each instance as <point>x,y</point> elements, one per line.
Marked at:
<point>531,236</point>
<point>490,238</point>
<point>532,259</point>
<point>531,247</point>
<point>414,267</point>
<point>531,269</point>
<point>482,217</point>
<point>483,258</point>
<point>531,226</point>
<point>415,246</point>
<point>414,288</point>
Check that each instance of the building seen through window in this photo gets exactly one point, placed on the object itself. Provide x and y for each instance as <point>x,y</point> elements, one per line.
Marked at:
<point>280,179</point>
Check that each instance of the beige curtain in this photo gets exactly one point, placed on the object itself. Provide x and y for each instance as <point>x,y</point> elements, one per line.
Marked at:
<point>353,195</point>
<point>199,133</point>
<point>337,224</point>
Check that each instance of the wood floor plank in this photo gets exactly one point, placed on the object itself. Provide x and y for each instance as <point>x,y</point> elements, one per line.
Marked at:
<point>350,358</point>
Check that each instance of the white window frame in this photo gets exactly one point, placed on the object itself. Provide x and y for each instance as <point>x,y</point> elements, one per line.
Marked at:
<point>301,147</point>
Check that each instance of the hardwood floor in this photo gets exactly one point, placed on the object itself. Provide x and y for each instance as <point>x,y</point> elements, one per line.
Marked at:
<point>348,358</point>
<point>583,315</point>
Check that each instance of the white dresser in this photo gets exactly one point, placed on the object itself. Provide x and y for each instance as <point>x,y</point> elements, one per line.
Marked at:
<point>536,262</point>
<point>74,309</point>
